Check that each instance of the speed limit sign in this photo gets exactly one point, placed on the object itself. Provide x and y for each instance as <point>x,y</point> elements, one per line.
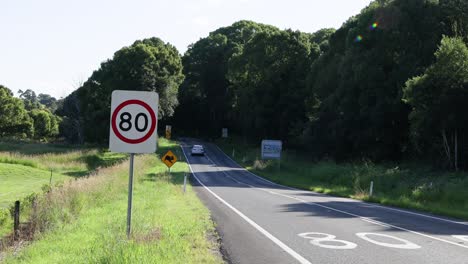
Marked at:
<point>134,120</point>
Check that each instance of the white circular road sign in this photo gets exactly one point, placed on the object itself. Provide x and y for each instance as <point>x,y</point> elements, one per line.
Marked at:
<point>134,121</point>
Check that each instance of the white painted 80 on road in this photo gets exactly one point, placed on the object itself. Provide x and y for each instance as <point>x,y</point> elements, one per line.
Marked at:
<point>324,240</point>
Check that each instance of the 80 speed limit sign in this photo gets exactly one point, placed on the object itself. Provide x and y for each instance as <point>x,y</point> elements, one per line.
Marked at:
<point>134,120</point>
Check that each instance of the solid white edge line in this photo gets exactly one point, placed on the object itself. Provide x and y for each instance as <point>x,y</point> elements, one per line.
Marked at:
<point>278,242</point>
<point>321,194</point>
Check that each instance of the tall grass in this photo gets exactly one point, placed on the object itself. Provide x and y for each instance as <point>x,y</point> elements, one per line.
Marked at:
<point>73,160</point>
<point>32,147</point>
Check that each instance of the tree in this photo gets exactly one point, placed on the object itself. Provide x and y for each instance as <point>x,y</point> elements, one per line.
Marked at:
<point>268,78</point>
<point>30,99</point>
<point>146,65</point>
<point>206,88</point>
<point>45,124</point>
<point>48,101</point>
<point>14,119</point>
<point>41,123</point>
<point>438,100</point>
<point>355,87</point>
<point>40,109</point>
<point>71,127</point>
<point>455,17</point>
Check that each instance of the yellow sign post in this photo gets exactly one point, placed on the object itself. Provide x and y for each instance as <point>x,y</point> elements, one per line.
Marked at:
<point>168,132</point>
<point>169,159</point>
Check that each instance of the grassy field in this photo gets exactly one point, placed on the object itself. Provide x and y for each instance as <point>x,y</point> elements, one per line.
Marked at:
<point>24,169</point>
<point>86,219</point>
<point>408,185</point>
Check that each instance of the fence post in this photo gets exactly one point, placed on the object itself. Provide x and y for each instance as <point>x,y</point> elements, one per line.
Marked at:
<point>371,190</point>
<point>16,220</point>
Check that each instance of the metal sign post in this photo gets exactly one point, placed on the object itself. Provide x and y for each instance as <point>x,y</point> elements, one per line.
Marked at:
<point>130,196</point>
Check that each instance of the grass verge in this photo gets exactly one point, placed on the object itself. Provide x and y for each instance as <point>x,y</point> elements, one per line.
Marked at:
<point>87,219</point>
<point>31,168</point>
<point>407,185</point>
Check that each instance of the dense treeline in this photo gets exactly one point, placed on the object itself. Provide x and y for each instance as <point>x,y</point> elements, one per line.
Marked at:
<point>28,116</point>
<point>206,97</point>
<point>390,83</point>
<point>386,85</point>
<point>438,98</point>
<point>359,82</point>
<point>146,65</point>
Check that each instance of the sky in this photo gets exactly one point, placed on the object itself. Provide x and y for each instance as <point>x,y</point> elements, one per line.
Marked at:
<point>52,46</point>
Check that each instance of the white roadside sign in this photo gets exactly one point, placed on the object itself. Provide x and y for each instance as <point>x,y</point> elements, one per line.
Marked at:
<point>134,121</point>
<point>271,149</point>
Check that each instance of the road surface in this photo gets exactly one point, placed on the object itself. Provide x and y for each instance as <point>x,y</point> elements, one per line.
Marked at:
<point>262,222</point>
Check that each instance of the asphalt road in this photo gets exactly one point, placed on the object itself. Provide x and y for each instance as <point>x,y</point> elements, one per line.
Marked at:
<point>262,222</point>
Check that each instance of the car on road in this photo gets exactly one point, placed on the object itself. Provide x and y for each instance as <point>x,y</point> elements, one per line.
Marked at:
<point>198,150</point>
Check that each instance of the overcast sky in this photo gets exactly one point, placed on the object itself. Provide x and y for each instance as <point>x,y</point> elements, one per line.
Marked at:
<point>50,46</point>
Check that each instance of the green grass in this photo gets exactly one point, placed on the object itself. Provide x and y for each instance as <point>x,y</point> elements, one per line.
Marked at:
<point>19,181</point>
<point>408,185</point>
<point>22,174</point>
<point>34,148</point>
<point>26,168</point>
<point>88,219</point>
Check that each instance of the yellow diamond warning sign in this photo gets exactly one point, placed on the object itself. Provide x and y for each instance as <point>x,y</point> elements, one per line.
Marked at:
<point>169,159</point>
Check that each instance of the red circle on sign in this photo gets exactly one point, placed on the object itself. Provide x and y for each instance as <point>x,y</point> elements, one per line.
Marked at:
<point>138,140</point>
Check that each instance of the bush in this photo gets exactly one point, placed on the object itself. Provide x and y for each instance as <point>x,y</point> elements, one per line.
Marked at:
<point>4,214</point>
<point>46,124</point>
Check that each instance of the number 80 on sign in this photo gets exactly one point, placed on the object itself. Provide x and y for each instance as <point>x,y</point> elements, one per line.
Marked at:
<point>134,121</point>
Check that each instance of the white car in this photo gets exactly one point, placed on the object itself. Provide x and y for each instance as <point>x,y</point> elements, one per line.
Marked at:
<point>198,150</point>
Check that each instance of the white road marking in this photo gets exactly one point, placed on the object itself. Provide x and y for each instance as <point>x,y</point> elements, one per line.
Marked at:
<point>421,215</point>
<point>317,241</point>
<point>464,238</point>
<point>324,195</point>
<point>275,240</point>
<point>406,244</point>
<point>366,219</point>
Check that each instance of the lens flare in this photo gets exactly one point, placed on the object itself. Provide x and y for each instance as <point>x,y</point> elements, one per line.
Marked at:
<point>358,38</point>
<point>374,25</point>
